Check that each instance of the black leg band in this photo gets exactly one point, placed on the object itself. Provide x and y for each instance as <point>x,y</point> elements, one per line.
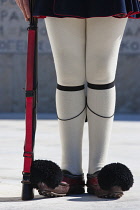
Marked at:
<point>102,86</point>
<point>70,88</point>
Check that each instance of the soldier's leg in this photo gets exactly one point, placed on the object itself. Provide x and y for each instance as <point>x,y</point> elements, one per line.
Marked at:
<point>104,36</point>
<point>67,39</point>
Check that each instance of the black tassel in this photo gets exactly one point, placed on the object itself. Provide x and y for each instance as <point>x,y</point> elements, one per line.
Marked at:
<point>115,174</point>
<point>47,172</point>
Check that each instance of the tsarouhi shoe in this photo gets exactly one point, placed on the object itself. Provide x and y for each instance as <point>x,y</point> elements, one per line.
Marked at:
<point>110,181</point>
<point>59,191</point>
<point>46,177</point>
<point>71,184</point>
<point>94,188</point>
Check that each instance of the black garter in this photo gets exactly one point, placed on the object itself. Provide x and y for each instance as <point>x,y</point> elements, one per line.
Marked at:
<point>100,87</point>
<point>71,88</point>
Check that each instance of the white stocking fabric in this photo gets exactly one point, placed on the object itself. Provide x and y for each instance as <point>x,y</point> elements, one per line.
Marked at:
<point>104,36</point>
<point>85,50</point>
<point>67,39</point>
<point>70,104</point>
<point>101,107</point>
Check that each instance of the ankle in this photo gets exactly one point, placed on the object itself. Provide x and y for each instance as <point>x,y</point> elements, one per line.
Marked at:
<point>95,174</point>
<point>68,173</point>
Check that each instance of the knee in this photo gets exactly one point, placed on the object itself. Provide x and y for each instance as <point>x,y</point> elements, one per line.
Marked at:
<point>101,70</point>
<point>70,72</point>
<point>70,77</point>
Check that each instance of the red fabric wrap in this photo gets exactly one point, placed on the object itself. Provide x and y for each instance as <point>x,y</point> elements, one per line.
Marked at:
<point>92,181</point>
<point>28,147</point>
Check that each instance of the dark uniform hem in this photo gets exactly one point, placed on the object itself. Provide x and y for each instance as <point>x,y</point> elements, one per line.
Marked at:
<point>87,8</point>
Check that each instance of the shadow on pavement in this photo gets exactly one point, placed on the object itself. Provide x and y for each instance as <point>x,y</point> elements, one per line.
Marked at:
<point>87,198</point>
<point>76,198</point>
<point>18,199</point>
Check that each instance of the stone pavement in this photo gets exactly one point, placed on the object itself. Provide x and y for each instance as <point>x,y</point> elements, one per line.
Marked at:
<point>124,148</point>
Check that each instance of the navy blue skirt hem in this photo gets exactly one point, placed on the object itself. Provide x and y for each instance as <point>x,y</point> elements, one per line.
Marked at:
<point>87,8</point>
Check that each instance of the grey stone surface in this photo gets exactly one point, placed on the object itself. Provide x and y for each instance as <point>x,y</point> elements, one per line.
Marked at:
<point>13,83</point>
<point>127,84</point>
<point>13,49</point>
<point>13,33</point>
<point>124,148</point>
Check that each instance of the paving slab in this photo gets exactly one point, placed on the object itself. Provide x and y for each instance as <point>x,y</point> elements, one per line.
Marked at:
<point>124,148</point>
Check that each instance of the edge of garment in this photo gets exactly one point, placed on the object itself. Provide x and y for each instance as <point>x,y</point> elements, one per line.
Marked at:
<point>80,8</point>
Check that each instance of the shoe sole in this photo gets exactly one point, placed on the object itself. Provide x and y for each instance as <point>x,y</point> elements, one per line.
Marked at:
<point>112,195</point>
<point>51,194</point>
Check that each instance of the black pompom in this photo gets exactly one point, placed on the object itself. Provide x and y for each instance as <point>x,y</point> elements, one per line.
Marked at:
<point>115,174</point>
<point>47,172</point>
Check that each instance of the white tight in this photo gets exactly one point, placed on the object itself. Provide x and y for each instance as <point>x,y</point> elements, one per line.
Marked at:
<point>85,50</point>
